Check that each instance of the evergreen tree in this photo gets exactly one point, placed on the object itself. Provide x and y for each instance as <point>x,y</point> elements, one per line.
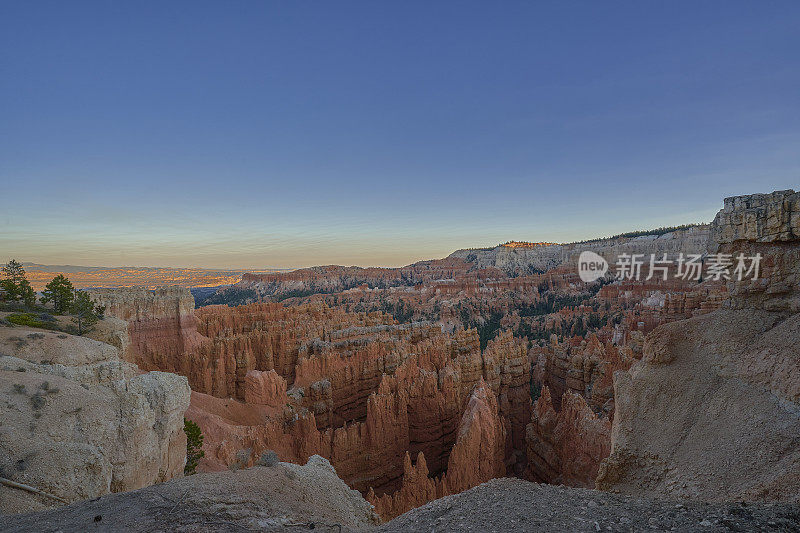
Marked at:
<point>61,292</point>
<point>85,312</point>
<point>13,284</point>
<point>27,294</point>
<point>194,445</point>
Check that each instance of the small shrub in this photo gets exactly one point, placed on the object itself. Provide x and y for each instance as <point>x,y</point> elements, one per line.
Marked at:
<point>19,388</point>
<point>46,317</point>
<point>36,336</point>
<point>44,385</point>
<point>268,458</point>
<point>38,401</point>
<point>30,320</point>
<point>243,458</point>
<point>19,342</point>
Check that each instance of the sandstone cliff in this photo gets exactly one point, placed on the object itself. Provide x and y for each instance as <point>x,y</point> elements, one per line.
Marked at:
<point>712,410</point>
<point>161,324</point>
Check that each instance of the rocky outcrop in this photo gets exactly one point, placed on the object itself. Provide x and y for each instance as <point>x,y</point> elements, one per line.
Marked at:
<point>507,370</point>
<point>566,446</point>
<point>582,367</point>
<point>712,409</point>
<point>265,388</point>
<point>280,497</point>
<point>769,225</point>
<point>78,422</point>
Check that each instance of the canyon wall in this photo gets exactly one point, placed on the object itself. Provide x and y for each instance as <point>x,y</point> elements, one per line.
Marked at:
<point>357,388</point>
<point>712,411</point>
<point>540,257</point>
<point>161,324</point>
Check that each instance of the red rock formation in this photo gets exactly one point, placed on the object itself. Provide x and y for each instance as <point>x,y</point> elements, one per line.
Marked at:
<point>566,446</point>
<point>507,371</point>
<point>161,324</point>
<point>379,369</point>
<point>265,388</point>
<point>476,457</point>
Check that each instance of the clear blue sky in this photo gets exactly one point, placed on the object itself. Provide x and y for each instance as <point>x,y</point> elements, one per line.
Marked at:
<point>254,134</point>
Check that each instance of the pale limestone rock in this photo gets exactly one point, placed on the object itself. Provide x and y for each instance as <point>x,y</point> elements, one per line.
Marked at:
<point>78,422</point>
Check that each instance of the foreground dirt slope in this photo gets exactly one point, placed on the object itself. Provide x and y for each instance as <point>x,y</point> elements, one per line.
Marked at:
<point>261,498</point>
<point>515,505</point>
<point>712,410</point>
<point>733,432</point>
<point>289,497</point>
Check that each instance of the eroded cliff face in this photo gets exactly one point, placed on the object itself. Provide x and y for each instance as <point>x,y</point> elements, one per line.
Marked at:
<point>161,324</point>
<point>79,422</point>
<point>541,257</point>
<point>477,456</point>
<point>769,225</point>
<point>566,446</point>
<point>712,411</point>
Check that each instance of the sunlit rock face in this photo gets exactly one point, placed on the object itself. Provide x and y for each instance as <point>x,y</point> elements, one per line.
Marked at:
<point>161,324</point>
<point>526,258</point>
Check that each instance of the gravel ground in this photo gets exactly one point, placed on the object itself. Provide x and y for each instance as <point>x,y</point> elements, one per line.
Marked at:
<point>514,505</point>
<point>295,498</point>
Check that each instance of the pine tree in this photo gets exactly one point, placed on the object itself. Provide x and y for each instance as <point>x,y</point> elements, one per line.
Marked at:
<point>194,445</point>
<point>27,294</point>
<point>13,285</point>
<point>85,312</point>
<point>61,292</point>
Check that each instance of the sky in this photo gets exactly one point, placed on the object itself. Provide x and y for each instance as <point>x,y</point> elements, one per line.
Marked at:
<point>256,134</point>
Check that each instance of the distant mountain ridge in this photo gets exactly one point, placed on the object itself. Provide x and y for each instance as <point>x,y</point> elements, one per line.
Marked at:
<point>84,277</point>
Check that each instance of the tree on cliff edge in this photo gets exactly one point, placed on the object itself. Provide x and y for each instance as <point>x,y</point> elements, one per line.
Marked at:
<point>194,445</point>
<point>15,286</point>
<point>59,291</point>
<point>85,312</point>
